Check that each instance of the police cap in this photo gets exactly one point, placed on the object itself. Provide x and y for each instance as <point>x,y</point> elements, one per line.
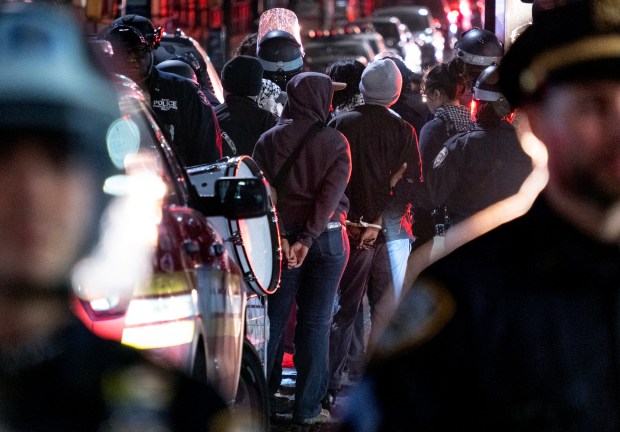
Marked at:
<point>567,40</point>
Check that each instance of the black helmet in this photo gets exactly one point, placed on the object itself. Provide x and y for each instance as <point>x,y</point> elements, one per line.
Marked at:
<point>127,37</point>
<point>279,45</point>
<point>487,85</point>
<point>178,67</point>
<point>479,47</point>
<point>487,91</point>
<point>281,56</point>
<point>179,46</point>
<point>143,25</point>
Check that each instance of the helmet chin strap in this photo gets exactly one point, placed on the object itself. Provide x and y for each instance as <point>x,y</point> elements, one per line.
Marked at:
<point>149,68</point>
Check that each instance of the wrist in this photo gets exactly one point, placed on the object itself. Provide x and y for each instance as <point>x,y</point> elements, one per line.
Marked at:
<point>306,241</point>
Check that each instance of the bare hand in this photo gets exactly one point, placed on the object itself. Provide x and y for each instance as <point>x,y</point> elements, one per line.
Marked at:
<point>368,238</point>
<point>285,249</point>
<point>297,253</point>
<point>397,175</point>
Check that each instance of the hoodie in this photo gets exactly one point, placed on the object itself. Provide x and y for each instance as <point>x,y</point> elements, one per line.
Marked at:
<point>313,193</point>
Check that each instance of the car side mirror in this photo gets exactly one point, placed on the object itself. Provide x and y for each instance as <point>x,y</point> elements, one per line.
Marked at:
<point>240,198</point>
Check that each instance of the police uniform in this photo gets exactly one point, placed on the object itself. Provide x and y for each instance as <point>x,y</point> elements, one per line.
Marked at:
<point>476,169</point>
<point>183,109</point>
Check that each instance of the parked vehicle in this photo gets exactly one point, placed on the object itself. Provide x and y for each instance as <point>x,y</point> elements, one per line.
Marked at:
<point>216,257</point>
<point>322,53</point>
<point>367,34</point>
<point>398,38</point>
<point>422,27</point>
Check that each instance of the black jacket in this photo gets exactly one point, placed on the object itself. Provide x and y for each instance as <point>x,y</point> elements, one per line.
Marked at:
<point>411,109</point>
<point>244,122</point>
<point>380,143</point>
<point>186,114</point>
<point>478,168</point>
<point>313,193</point>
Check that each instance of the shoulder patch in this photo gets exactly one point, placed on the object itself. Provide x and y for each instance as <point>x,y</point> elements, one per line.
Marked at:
<point>422,312</point>
<point>440,157</point>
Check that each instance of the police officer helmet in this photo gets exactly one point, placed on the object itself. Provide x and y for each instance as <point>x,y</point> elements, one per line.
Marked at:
<point>128,41</point>
<point>487,90</point>
<point>51,70</point>
<point>479,47</point>
<point>281,56</point>
<point>144,26</point>
<point>487,85</point>
<point>127,37</point>
<point>178,67</point>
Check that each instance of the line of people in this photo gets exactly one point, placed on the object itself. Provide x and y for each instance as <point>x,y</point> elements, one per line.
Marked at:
<point>367,208</point>
<point>347,170</point>
<point>515,331</point>
<point>353,204</point>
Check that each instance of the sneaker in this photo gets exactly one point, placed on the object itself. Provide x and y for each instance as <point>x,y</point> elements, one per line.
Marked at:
<point>323,417</point>
<point>329,400</point>
<point>280,404</point>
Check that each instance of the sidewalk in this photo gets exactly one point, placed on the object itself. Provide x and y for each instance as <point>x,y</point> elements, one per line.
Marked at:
<point>284,423</point>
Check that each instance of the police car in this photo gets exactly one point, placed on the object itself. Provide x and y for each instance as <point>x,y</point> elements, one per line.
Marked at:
<point>201,306</point>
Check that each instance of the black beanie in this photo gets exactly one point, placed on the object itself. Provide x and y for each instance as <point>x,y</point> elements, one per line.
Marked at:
<point>243,75</point>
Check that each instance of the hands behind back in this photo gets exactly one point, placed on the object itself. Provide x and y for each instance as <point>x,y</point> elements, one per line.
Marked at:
<point>294,254</point>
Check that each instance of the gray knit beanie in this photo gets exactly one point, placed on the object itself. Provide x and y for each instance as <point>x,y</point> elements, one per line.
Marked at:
<point>381,83</point>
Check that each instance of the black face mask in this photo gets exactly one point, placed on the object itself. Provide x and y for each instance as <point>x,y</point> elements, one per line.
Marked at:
<point>281,78</point>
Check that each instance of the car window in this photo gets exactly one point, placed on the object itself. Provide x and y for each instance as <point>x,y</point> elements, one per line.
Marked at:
<point>415,21</point>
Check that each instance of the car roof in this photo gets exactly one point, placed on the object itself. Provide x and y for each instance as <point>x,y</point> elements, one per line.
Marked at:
<point>320,54</point>
<point>411,15</point>
<point>405,8</point>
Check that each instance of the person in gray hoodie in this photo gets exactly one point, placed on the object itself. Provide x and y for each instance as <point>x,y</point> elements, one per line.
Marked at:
<point>312,209</point>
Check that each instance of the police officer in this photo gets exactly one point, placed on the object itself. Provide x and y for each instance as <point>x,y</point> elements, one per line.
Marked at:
<point>475,50</point>
<point>181,107</point>
<point>485,165</point>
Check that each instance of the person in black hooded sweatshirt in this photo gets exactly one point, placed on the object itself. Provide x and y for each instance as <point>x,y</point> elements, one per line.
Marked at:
<point>312,209</point>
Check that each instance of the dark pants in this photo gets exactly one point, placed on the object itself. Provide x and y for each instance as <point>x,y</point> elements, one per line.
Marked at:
<point>371,270</point>
<point>313,286</point>
<point>357,350</point>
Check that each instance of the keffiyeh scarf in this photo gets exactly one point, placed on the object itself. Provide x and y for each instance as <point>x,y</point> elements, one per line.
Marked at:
<point>456,118</point>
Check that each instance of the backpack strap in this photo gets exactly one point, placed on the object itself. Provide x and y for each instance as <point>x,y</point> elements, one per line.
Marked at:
<point>288,163</point>
<point>222,114</point>
<point>221,111</point>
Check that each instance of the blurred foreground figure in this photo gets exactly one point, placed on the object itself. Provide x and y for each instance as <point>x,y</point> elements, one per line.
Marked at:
<point>518,330</point>
<point>55,110</point>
